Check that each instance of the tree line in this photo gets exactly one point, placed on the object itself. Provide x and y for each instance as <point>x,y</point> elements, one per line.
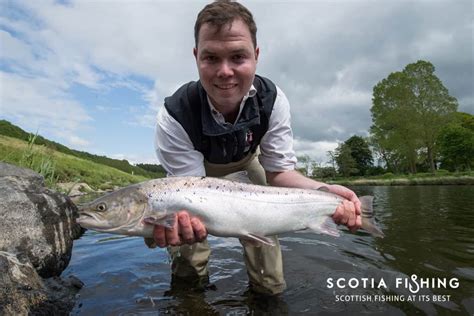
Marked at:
<point>416,127</point>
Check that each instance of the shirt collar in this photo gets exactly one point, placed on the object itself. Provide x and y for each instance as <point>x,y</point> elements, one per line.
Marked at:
<point>219,118</point>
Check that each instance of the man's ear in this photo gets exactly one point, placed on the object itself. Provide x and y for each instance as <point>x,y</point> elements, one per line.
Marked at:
<point>195,52</point>
<point>257,52</point>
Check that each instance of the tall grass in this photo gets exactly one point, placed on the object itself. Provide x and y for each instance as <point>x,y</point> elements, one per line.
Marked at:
<point>34,159</point>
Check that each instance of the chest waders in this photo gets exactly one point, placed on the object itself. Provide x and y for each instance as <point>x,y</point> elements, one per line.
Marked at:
<point>264,264</point>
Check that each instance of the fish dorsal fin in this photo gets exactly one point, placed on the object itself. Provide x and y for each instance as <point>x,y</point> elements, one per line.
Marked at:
<point>241,176</point>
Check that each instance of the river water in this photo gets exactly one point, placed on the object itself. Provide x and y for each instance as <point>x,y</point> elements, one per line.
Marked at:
<point>424,265</point>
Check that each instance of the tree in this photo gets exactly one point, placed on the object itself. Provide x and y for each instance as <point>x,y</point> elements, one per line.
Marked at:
<point>409,110</point>
<point>306,164</point>
<point>456,142</point>
<point>346,164</point>
<point>361,153</point>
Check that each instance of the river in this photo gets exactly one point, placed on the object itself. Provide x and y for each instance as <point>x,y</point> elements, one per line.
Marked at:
<point>424,265</point>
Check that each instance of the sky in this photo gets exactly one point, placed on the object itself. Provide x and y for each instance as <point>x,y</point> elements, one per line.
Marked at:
<point>92,74</point>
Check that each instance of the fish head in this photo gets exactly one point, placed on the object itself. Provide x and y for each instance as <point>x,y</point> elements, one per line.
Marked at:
<point>116,212</point>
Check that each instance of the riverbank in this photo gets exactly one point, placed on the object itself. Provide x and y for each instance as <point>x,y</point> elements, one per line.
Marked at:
<point>465,178</point>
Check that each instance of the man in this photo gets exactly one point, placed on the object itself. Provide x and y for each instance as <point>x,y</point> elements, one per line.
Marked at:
<point>228,121</point>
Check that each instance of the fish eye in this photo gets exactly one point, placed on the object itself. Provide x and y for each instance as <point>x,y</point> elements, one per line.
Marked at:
<point>101,207</point>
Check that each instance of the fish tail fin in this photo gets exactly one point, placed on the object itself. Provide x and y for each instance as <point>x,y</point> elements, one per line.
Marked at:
<point>368,216</point>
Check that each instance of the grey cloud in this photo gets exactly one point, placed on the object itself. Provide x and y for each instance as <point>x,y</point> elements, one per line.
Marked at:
<point>309,48</point>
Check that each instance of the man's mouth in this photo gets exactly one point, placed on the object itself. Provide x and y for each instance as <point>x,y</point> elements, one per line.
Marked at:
<point>226,86</point>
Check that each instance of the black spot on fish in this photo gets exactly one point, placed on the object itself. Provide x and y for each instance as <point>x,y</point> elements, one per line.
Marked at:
<point>203,178</point>
<point>217,187</point>
<point>177,190</point>
<point>208,186</point>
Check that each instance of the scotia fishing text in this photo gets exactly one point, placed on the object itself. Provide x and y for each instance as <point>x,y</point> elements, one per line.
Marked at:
<point>413,283</point>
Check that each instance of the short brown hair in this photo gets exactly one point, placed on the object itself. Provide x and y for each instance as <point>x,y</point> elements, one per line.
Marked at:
<point>224,12</point>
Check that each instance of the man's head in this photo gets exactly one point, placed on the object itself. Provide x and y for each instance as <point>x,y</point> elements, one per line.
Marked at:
<point>226,52</point>
<point>222,13</point>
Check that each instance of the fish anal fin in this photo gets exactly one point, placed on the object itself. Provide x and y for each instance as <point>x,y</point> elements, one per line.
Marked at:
<point>257,240</point>
<point>167,220</point>
<point>326,226</point>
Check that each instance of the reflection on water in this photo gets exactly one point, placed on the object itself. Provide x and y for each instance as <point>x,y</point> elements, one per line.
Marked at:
<point>429,233</point>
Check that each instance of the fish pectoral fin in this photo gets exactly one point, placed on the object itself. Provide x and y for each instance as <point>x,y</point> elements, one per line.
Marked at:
<point>256,240</point>
<point>327,226</point>
<point>166,220</point>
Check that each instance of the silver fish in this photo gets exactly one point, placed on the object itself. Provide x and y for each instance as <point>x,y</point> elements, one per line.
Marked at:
<point>227,208</point>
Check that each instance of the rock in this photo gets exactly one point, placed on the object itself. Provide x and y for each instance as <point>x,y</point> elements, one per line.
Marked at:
<point>36,221</point>
<point>24,292</point>
<point>37,228</point>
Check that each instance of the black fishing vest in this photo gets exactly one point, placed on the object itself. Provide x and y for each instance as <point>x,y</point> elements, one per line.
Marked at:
<point>221,145</point>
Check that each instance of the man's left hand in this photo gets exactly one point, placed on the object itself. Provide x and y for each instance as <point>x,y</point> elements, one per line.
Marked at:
<point>348,212</point>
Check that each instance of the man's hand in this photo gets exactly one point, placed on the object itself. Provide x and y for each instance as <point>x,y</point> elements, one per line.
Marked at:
<point>348,212</point>
<point>186,230</point>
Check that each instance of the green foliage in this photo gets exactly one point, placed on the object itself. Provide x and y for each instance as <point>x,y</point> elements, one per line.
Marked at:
<point>361,153</point>
<point>387,175</point>
<point>34,158</point>
<point>158,169</point>
<point>409,110</point>
<point>347,165</point>
<point>456,142</point>
<point>324,172</point>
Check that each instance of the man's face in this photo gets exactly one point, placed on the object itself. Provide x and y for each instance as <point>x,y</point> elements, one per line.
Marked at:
<point>226,62</point>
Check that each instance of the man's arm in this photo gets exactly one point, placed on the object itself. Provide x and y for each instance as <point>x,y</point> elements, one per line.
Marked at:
<point>278,159</point>
<point>177,155</point>
<point>347,213</point>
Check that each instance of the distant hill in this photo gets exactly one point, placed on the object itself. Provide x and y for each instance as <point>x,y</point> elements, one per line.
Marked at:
<point>146,170</point>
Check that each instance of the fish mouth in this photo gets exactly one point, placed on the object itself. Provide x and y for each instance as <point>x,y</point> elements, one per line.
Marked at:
<point>85,217</point>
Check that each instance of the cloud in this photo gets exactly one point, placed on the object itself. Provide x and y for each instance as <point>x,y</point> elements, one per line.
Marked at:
<point>325,55</point>
<point>38,104</point>
<point>317,151</point>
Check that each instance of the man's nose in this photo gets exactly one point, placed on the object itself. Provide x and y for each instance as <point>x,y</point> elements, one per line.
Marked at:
<point>225,69</point>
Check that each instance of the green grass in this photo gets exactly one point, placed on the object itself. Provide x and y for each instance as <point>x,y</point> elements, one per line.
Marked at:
<point>59,167</point>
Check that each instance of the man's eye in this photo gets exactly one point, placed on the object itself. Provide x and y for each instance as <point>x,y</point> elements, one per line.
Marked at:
<point>210,58</point>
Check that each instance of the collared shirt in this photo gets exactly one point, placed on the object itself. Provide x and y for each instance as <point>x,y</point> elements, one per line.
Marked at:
<point>177,155</point>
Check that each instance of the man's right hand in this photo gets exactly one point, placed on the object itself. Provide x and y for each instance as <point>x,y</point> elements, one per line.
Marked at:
<point>186,230</point>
